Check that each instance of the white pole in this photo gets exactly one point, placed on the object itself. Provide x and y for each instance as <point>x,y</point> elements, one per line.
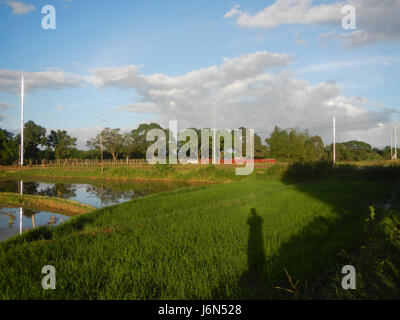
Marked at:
<point>214,141</point>
<point>22,122</point>
<point>391,143</point>
<point>20,220</point>
<point>395,140</point>
<point>334,140</point>
<point>20,209</point>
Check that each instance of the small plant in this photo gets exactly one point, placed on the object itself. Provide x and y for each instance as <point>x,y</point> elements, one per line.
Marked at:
<point>371,213</point>
<point>163,169</point>
<point>293,288</point>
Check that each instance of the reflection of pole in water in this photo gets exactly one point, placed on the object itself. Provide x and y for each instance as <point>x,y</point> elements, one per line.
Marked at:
<point>20,220</point>
<point>21,188</point>
<point>101,196</point>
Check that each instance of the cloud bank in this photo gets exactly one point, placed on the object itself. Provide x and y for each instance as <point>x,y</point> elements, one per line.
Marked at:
<point>377,21</point>
<point>257,90</point>
<point>10,81</point>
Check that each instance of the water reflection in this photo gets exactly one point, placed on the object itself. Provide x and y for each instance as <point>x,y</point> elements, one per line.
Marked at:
<point>20,209</point>
<point>96,193</point>
<point>15,221</point>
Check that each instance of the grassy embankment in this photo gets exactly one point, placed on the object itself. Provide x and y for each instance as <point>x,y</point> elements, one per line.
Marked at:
<point>35,202</point>
<point>188,173</point>
<point>218,241</point>
<point>178,173</point>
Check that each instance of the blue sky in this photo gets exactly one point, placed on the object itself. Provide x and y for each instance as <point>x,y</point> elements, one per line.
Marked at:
<point>177,38</point>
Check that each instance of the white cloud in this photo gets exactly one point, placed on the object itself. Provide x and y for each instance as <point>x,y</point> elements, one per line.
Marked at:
<point>287,12</point>
<point>252,90</point>
<point>3,106</point>
<point>20,8</point>
<point>344,64</point>
<point>10,81</point>
<point>377,21</point>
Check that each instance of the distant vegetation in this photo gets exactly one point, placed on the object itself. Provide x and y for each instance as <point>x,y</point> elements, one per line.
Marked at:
<point>283,144</point>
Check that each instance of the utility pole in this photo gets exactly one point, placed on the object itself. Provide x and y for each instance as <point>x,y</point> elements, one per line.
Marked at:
<point>101,152</point>
<point>395,140</point>
<point>22,122</point>
<point>214,142</point>
<point>334,140</point>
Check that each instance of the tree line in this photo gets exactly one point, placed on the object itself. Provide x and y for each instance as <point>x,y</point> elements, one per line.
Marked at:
<point>282,144</point>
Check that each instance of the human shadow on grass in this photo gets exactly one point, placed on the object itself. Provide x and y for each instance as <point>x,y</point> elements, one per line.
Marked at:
<point>296,267</point>
<point>255,275</point>
<point>303,256</point>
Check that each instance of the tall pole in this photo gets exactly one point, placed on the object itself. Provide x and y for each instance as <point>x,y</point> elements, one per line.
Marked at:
<point>214,141</point>
<point>395,140</point>
<point>391,143</point>
<point>334,140</point>
<point>22,122</point>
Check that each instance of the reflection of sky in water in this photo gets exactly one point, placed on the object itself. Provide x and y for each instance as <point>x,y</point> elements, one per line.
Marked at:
<point>13,214</point>
<point>99,195</point>
<point>85,194</point>
<point>94,195</point>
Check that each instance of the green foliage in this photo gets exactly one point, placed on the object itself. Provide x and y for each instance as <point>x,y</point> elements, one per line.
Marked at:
<point>110,139</point>
<point>163,169</point>
<point>8,148</point>
<point>376,258</point>
<point>140,144</point>
<point>304,171</point>
<point>354,151</point>
<point>61,143</point>
<point>34,137</point>
<point>293,145</point>
<point>283,144</point>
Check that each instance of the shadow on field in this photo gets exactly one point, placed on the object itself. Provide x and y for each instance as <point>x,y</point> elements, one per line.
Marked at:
<point>295,269</point>
<point>305,254</point>
<point>256,260</point>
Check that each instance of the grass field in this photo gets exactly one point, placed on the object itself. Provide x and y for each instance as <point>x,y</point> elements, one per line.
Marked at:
<point>217,241</point>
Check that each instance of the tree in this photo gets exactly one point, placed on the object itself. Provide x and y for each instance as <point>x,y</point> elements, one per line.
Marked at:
<point>294,145</point>
<point>140,144</point>
<point>61,143</point>
<point>128,146</point>
<point>8,148</point>
<point>34,136</point>
<point>354,151</point>
<point>112,142</point>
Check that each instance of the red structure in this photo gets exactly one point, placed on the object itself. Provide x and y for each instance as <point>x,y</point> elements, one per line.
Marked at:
<point>221,161</point>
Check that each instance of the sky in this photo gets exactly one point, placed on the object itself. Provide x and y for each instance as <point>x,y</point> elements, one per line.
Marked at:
<point>120,63</point>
